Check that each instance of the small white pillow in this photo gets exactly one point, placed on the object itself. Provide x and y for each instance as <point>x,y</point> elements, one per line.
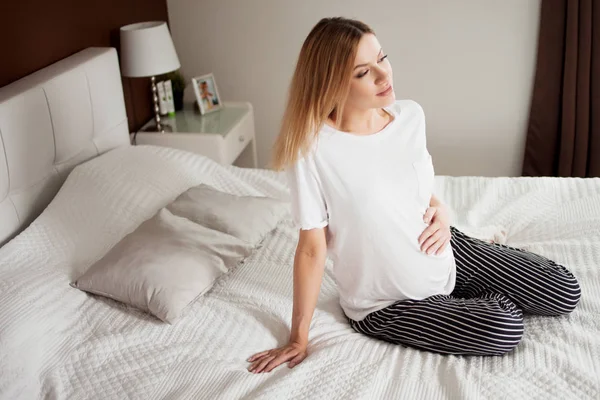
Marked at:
<point>164,265</point>
<point>248,218</point>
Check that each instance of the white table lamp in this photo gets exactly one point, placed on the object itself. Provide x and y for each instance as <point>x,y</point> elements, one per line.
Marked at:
<point>147,50</point>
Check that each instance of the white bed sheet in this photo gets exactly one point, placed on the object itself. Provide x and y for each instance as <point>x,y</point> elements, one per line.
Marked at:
<point>57,342</point>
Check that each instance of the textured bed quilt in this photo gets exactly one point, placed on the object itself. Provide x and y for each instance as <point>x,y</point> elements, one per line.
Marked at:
<point>57,342</point>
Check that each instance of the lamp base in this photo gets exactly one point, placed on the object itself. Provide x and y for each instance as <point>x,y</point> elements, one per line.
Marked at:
<point>158,125</point>
<point>164,128</point>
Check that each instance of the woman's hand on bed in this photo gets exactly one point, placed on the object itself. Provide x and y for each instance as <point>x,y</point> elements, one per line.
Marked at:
<point>436,236</point>
<point>265,361</point>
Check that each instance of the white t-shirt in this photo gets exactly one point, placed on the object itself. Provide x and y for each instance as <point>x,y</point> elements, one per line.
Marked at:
<point>372,191</point>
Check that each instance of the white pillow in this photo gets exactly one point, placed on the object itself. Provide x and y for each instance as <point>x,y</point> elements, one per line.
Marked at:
<point>248,218</point>
<point>164,265</point>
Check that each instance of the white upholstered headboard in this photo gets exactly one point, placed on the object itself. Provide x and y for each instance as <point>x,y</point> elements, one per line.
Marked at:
<point>51,121</point>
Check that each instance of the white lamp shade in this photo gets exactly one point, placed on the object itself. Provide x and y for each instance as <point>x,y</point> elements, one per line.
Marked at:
<point>147,50</point>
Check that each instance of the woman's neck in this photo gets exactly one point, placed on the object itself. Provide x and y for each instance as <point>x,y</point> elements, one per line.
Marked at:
<point>363,121</point>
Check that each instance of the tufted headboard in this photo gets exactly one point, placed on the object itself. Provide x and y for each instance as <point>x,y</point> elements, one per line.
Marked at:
<point>51,121</point>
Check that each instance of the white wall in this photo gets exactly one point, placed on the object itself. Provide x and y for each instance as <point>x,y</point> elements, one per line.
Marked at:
<point>470,63</point>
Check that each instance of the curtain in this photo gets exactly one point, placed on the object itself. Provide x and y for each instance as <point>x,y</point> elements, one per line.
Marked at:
<point>563,134</point>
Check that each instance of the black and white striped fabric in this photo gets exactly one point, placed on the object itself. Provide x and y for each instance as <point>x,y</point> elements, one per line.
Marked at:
<point>495,285</point>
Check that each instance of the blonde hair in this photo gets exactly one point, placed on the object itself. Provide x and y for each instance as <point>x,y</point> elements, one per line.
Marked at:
<point>319,86</point>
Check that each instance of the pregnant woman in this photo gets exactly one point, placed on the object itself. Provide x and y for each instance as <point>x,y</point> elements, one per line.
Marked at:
<point>362,180</point>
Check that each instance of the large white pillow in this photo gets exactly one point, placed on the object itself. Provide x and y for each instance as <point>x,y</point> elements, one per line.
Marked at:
<point>164,265</point>
<point>248,218</point>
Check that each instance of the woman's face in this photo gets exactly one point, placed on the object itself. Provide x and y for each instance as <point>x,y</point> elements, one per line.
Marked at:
<point>371,82</point>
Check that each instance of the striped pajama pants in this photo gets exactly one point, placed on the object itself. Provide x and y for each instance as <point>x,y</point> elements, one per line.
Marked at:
<point>495,285</point>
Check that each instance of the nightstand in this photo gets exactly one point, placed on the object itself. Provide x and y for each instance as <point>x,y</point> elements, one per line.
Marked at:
<point>226,135</point>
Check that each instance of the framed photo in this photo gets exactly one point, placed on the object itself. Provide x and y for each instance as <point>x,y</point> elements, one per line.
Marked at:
<point>207,95</point>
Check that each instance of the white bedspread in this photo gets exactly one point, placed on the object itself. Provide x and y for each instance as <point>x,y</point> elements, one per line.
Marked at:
<point>57,342</point>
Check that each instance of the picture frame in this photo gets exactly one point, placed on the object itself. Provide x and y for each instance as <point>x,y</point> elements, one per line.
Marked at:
<point>207,94</point>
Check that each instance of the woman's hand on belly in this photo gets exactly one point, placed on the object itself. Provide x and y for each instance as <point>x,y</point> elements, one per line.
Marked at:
<point>436,236</point>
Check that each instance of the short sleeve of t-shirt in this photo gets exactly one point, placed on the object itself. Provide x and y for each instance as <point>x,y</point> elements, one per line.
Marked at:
<point>308,203</point>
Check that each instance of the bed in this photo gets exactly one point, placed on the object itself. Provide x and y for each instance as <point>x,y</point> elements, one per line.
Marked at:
<point>71,186</point>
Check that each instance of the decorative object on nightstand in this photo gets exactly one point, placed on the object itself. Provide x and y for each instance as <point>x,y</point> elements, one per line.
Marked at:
<point>179,83</point>
<point>207,95</point>
<point>147,50</point>
<point>226,136</point>
<point>162,98</point>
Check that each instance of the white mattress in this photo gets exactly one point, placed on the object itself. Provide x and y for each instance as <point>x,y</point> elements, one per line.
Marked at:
<point>57,342</point>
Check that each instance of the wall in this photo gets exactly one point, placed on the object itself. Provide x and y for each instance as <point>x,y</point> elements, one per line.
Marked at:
<point>38,33</point>
<point>470,63</point>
